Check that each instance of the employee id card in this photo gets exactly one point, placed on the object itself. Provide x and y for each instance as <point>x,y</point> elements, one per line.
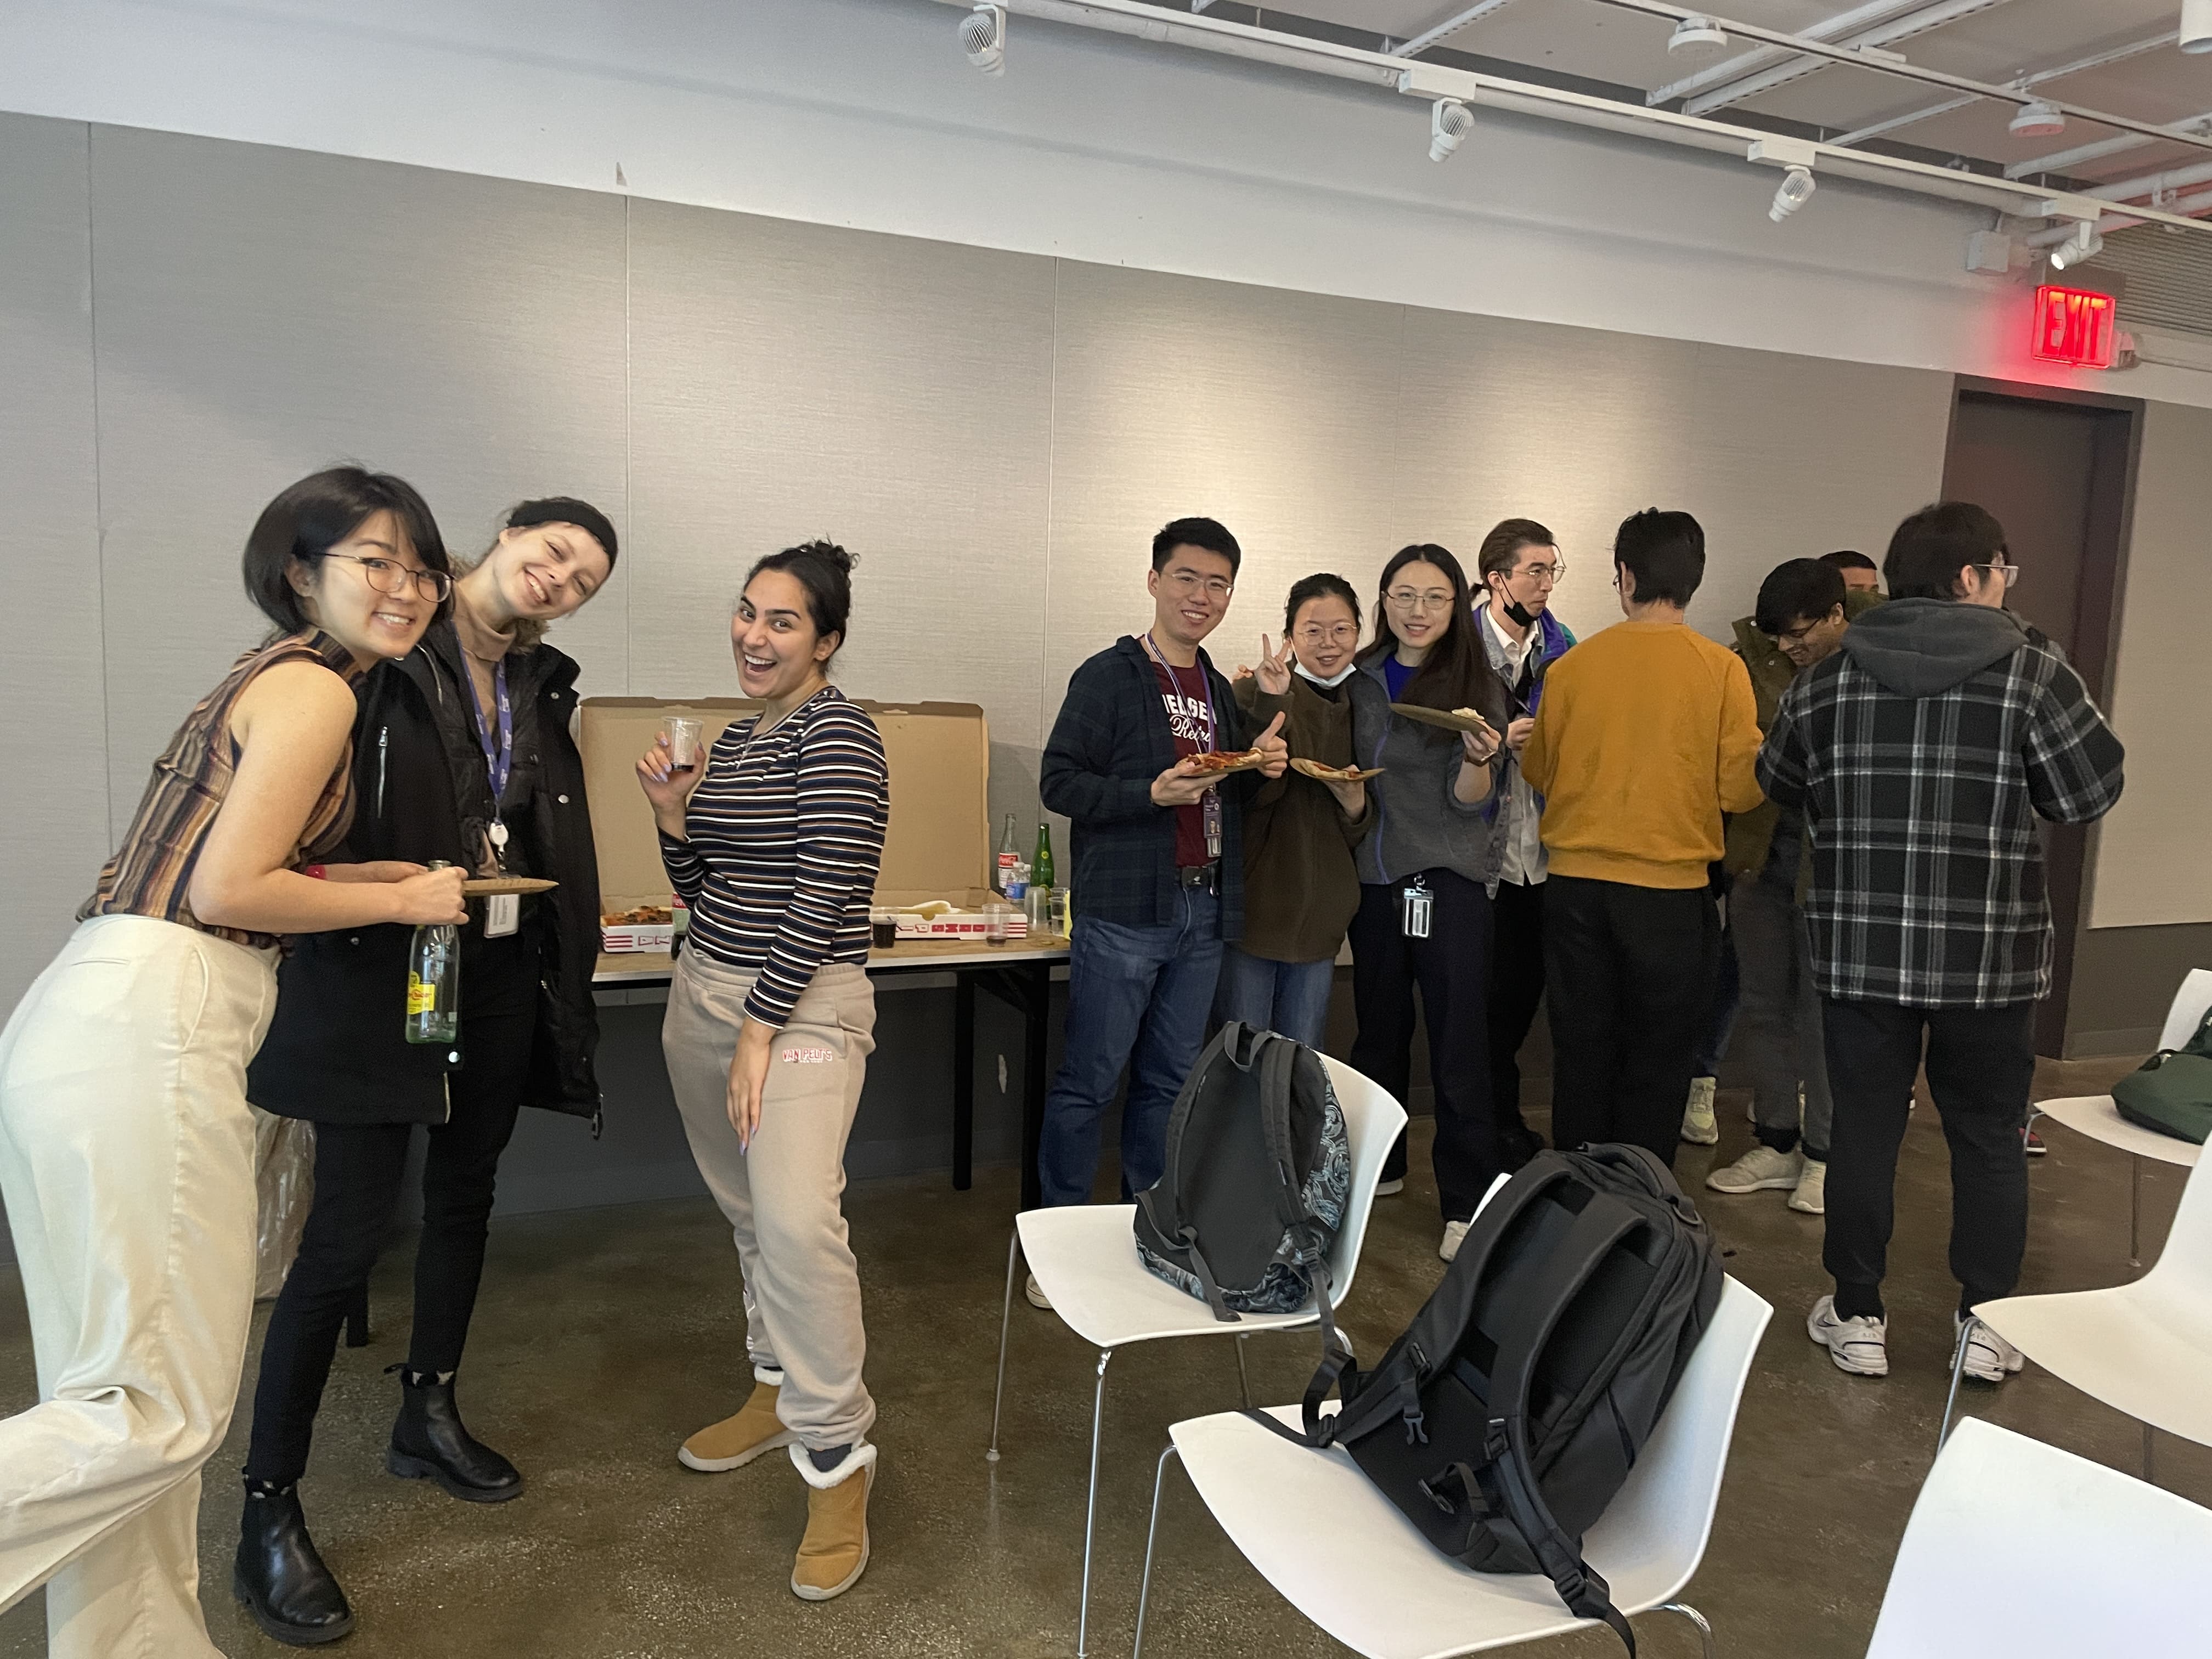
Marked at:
<point>1210,812</point>
<point>1415,903</point>
<point>502,914</point>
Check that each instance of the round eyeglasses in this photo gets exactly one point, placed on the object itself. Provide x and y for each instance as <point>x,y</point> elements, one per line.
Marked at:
<point>389,576</point>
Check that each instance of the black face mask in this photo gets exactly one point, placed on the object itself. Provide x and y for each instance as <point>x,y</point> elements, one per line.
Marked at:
<point>1521,615</point>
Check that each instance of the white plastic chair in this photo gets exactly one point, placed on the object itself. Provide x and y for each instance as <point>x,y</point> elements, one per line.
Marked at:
<point>2144,1347</point>
<point>1085,1259</point>
<point>1369,1579</point>
<point>2097,1117</point>
<point>2018,1548</point>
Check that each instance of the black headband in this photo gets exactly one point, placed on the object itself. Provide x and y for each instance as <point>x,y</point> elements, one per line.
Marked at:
<point>566,510</point>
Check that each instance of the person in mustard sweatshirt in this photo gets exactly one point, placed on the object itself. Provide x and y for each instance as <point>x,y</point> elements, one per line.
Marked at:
<point>1646,736</point>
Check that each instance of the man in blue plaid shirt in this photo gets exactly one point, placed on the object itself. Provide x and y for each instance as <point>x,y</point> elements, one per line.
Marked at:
<point>1921,754</point>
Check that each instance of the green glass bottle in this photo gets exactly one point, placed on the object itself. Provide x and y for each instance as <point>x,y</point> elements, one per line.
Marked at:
<point>1041,865</point>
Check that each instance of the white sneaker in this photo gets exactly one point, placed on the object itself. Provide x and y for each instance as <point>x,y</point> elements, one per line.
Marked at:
<point>1860,1345</point>
<point>1035,1292</point>
<point>1761,1169</point>
<point>1990,1357</point>
<point>1811,1195</point>
<point>1697,1125</point>
<point>1390,1188</point>
<point>1455,1234</point>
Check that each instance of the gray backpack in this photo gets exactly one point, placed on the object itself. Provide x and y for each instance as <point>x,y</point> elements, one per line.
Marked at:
<point>1255,1179</point>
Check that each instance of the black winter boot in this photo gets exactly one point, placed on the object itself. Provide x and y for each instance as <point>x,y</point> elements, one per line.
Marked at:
<point>279,1576</point>
<point>430,1443</point>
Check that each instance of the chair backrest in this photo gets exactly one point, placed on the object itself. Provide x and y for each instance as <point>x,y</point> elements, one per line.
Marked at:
<point>1656,1529</point>
<point>2018,1548</point>
<point>1372,1120</point>
<point>2190,1003</point>
<point>2184,1264</point>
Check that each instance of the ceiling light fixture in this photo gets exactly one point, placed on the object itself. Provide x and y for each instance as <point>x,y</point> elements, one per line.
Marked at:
<point>2040,119</point>
<point>1696,35</point>
<point>2197,25</point>
<point>2083,244</point>
<point>1795,190</point>
<point>1448,124</point>
<point>983,38</point>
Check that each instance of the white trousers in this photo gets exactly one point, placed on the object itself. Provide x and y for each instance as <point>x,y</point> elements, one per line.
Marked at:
<point>126,1161</point>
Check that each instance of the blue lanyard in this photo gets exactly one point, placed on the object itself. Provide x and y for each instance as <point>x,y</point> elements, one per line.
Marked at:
<point>1205,690</point>
<point>499,760</point>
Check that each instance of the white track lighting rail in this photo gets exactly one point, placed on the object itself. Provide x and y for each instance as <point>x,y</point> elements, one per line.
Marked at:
<point>1431,81</point>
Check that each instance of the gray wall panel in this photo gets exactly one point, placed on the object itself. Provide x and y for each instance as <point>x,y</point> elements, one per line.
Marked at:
<point>793,380</point>
<point>53,745</point>
<point>264,312</point>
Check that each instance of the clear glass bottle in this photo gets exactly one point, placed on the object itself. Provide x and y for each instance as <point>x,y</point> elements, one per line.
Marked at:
<point>1008,854</point>
<point>434,982</point>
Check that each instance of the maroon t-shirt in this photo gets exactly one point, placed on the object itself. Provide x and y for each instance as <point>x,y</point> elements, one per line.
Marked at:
<point>1190,717</point>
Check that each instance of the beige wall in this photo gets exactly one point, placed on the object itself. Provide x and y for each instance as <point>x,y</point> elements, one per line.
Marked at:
<point>997,435</point>
<point>2154,851</point>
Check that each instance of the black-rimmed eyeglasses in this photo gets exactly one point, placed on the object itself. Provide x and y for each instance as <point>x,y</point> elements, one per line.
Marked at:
<point>389,576</point>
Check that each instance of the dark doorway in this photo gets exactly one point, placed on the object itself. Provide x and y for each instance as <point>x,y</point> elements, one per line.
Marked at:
<point>2057,468</point>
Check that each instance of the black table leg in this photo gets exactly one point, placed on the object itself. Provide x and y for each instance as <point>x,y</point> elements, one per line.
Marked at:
<point>1036,1025</point>
<point>963,1081</point>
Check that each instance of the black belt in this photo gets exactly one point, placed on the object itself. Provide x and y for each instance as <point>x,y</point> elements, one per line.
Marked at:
<point>1196,875</point>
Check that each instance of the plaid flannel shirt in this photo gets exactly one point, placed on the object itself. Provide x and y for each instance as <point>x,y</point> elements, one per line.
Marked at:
<point>1927,885</point>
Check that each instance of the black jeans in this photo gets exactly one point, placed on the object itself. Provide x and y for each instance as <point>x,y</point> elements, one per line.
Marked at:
<point>357,1174</point>
<point>1981,1065</point>
<point>1451,967</point>
<point>1630,972</point>
<point>1516,990</point>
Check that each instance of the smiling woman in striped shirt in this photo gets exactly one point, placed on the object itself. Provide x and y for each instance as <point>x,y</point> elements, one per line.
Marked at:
<point>770,1022</point>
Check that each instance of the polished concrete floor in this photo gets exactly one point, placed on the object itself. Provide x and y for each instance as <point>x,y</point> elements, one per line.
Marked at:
<point>606,1336</point>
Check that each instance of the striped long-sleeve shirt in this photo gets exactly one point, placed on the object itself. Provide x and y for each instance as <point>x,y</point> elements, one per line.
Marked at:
<point>784,836</point>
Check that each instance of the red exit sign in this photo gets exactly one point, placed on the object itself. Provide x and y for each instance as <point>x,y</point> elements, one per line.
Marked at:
<point>2074,326</point>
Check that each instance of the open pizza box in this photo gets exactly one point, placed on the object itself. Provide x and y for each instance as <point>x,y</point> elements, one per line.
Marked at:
<point>937,850</point>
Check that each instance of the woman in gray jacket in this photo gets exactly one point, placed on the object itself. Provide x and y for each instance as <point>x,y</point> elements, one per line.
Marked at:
<point>1423,918</point>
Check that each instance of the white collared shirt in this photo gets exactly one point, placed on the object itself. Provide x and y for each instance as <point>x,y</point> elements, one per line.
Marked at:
<point>1524,862</point>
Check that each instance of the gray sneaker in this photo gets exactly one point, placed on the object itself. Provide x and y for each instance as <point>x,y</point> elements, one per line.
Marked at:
<point>1761,1169</point>
<point>1859,1345</point>
<point>1697,1125</point>
<point>1811,1196</point>
<point>1990,1357</point>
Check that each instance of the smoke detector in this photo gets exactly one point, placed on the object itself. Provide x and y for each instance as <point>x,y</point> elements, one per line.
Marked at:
<point>2040,119</point>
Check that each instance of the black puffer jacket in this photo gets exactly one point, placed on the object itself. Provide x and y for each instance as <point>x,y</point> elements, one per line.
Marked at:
<point>336,1052</point>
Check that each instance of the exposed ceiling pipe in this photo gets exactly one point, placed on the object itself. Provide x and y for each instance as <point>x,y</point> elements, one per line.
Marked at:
<point>1429,81</point>
<point>2060,160</point>
<point>2098,60</point>
<point>1865,41</point>
<point>1828,28</point>
<point>1427,38</point>
<point>1893,65</point>
<point>2153,185</point>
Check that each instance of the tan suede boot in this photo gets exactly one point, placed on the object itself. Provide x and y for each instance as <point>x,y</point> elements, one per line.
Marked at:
<point>736,1441</point>
<point>835,1552</point>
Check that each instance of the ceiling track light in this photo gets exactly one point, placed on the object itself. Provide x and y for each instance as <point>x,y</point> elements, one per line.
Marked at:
<point>2084,244</point>
<point>983,38</point>
<point>2197,25</point>
<point>1696,35</point>
<point>1795,190</point>
<point>1449,122</point>
<point>2040,119</point>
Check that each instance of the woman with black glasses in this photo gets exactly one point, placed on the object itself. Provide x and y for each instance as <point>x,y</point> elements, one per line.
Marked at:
<point>1423,917</point>
<point>463,754</point>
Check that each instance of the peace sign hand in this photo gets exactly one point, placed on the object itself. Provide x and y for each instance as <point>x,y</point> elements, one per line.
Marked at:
<point>1274,670</point>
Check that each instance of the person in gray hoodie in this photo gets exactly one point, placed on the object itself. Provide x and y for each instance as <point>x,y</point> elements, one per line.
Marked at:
<point>1921,755</point>
<point>1424,919</point>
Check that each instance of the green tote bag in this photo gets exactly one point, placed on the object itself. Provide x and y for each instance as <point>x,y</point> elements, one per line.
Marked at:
<point>2172,1092</point>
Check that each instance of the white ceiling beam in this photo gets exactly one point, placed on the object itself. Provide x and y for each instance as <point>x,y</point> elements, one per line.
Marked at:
<point>2038,78</point>
<point>2188,207</point>
<point>1428,81</point>
<point>1868,40</point>
<point>1452,25</point>
<point>2155,185</point>
<point>2060,160</point>
<point>1894,65</point>
<point>1828,28</point>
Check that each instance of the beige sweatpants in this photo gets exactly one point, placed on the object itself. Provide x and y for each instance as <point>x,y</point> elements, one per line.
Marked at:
<point>126,1160</point>
<point>782,1197</point>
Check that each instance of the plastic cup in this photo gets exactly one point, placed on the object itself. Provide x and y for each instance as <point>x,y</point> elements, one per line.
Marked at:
<point>882,929</point>
<point>995,923</point>
<point>683,744</point>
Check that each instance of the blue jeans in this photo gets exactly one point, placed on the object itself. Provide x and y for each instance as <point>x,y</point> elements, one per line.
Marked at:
<point>1289,997</point>
<point>1138,995</point>
<point>1720,1015</point>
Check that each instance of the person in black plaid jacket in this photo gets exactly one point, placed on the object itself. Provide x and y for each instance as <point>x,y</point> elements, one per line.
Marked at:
<point>1921,754</point>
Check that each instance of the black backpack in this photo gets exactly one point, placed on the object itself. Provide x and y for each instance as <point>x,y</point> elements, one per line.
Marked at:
<point>1255,1179</point>
<point>1508,1413</point>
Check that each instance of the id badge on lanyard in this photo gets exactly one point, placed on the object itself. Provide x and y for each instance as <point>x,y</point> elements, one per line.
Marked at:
<point>1210,810</point>
<point>503,912</point>
<point>1415,903</point>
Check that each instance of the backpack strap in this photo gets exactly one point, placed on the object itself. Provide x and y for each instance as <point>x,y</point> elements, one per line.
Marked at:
<point>1510,1490</point>
<point>1174,1224</point>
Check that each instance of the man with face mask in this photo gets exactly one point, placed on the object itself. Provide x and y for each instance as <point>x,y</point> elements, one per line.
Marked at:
<point>1803,613</point>
<point>1519,564</point>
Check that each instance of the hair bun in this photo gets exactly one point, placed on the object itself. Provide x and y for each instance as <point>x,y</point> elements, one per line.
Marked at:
<point>829,552</point>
